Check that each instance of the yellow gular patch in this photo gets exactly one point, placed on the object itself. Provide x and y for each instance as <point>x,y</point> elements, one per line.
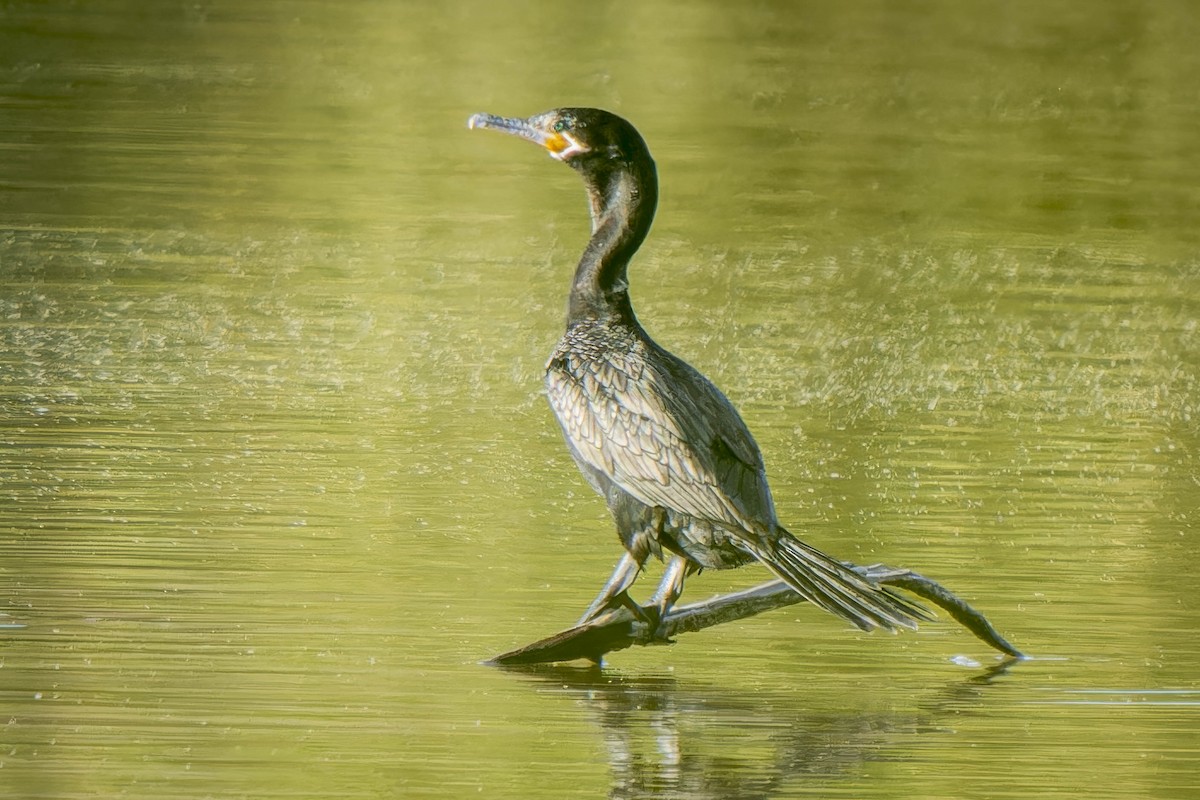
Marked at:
<point>563,145</point>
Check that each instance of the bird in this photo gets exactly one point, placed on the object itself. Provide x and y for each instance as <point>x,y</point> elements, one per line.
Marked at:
<point>680,472</point>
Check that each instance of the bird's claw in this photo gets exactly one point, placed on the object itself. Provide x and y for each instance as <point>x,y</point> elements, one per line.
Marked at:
<point>613,603</point>
<point>650,616</point>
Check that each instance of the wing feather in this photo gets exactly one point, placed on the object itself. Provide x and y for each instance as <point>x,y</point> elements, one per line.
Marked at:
<point>660,431</point>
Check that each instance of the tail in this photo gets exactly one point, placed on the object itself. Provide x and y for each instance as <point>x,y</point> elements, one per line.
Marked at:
<point>835,587</point>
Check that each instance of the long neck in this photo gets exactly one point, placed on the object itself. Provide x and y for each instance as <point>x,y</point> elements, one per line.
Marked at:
<point>623,199</point>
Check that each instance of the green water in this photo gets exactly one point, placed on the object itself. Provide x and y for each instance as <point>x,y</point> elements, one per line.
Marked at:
<point>276,472</point>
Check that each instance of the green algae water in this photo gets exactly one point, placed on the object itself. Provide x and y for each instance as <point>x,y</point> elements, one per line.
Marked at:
<point>276,472</point>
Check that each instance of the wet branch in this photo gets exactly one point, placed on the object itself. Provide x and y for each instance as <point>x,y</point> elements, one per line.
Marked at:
<point>617,630</point>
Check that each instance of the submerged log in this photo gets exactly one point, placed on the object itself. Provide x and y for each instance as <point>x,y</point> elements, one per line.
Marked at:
<point>619,629</point>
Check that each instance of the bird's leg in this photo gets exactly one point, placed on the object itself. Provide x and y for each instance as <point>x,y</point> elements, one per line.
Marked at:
<point>668,591</point>
<point>615,591</point>
<point>669,588</point>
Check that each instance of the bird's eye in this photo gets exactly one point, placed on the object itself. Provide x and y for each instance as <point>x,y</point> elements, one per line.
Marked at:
<point>561,125</point>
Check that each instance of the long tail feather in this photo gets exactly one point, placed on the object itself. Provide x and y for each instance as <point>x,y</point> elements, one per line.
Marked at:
<point>835,587</point>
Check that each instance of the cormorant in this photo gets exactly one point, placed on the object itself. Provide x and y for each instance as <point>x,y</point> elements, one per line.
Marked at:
<point>678,468</point>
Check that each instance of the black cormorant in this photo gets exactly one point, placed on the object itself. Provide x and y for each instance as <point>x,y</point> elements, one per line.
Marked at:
<point>678,468</point>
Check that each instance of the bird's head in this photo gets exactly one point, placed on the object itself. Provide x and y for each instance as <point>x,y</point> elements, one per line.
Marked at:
<point>584,138</point>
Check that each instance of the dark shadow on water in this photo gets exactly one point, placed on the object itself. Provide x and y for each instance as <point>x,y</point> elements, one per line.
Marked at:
<point>666,738</point>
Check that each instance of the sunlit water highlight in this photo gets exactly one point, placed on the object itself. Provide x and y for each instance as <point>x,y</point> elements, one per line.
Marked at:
<point>276,472</point>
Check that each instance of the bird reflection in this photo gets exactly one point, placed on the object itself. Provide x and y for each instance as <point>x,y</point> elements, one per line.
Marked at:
<point>665,739</point>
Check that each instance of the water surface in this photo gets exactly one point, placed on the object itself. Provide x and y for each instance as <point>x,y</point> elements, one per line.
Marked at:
<point>276,471</point>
